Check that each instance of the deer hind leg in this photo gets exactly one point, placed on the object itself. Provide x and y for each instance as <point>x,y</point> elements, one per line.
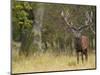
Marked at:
<point>77,57</point>
<point>86,54</point>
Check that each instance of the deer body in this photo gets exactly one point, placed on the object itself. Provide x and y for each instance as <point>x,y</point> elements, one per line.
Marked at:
<point>84,42</point>
<point>81,46</point>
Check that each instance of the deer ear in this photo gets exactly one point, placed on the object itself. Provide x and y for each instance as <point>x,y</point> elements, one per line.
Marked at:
<point>73,29</point>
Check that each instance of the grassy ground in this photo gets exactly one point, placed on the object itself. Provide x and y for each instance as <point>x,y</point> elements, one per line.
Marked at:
<point>48,62</point>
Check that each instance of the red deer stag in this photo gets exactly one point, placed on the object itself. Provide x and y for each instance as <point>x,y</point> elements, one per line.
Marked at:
<point>81,41</point>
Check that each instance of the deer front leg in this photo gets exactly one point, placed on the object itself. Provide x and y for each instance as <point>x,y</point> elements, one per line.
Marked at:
<point>82,57</point>
<point>77,57</point>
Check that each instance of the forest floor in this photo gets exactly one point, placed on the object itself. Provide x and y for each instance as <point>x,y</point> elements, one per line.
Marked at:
<point>49,62</point>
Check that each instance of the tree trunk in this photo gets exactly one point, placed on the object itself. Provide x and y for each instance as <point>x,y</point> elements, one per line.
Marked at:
<point>37,26</point>
<point>31,40</point>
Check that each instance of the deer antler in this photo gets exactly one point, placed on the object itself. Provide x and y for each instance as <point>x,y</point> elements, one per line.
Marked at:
<point>83,27</point>
<point>66,16</point>
<point>89,18</point>
<point>63,14</point>
<point>92,30</point>
<point>88,21</point>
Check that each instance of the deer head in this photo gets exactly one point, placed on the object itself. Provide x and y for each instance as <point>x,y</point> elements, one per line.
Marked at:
<point>69,25</point>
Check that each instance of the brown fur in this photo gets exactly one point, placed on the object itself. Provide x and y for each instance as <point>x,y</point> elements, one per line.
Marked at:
<point>81,45</point>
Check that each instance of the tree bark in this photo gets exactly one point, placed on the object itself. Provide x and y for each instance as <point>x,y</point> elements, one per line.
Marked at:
<point>38,26</point>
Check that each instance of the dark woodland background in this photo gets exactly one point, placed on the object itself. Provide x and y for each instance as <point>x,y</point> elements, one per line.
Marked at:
<point>40,27</point>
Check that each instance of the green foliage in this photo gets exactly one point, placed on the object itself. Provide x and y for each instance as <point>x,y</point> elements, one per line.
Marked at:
<point>20,18</point>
